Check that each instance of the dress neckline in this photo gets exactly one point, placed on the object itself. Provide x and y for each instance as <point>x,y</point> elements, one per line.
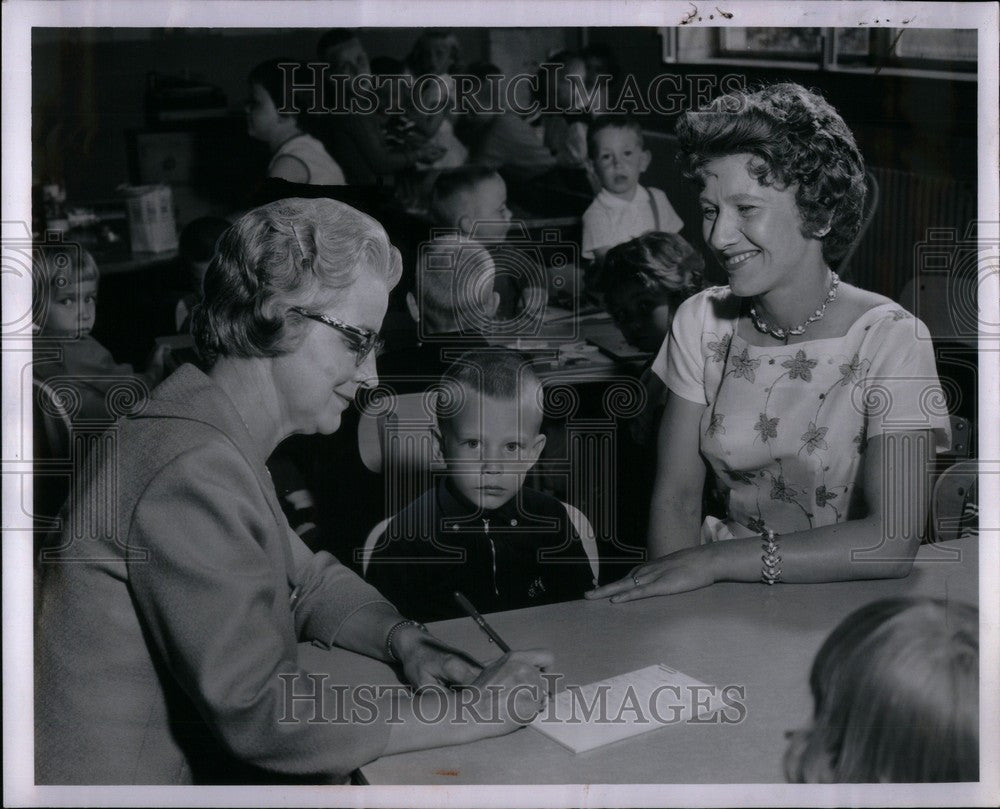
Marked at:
<point>864,317</point>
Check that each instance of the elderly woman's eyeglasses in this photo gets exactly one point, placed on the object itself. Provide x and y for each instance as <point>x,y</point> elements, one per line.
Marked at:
<point>363,341</point>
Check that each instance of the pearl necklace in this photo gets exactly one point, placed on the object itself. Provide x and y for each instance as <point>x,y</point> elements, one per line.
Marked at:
<point>783,334</point>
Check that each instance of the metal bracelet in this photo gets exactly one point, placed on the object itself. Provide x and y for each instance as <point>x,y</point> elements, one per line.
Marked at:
<point>770,571</point>
<point>397,626</point>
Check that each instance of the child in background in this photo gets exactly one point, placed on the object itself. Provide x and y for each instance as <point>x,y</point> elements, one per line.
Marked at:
<point>644,280</point>
<point>480,530</point>
<point>196,246</point>
<point>473,200</point>
<point>896,692</point>
<point>435,53</point>
<point>65,280</point>
<point>622,209</point>
<point>295,156</point>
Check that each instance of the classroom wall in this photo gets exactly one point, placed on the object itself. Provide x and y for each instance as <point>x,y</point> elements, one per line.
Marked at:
<point>900,122</point>
<point>92,82</point>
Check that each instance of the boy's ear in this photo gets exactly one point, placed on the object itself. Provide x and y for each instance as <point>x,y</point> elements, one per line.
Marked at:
<point>465,224</point>
<point>437,448</point>
<point>536,447</point>
<point>493,305</point>
<point>412,308</point>
<point>644,160</point>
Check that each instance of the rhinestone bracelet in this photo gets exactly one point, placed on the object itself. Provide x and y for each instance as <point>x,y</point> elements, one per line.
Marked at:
<point>770,571</point>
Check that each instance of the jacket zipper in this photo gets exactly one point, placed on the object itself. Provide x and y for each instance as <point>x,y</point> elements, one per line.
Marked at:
<point>493,554</point>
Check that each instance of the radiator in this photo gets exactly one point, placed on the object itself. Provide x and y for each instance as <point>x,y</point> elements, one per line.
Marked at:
<point>909,204</point>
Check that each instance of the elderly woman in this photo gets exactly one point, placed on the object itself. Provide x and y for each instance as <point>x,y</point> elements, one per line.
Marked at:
<point>167,626</point>
<point>816,404</point>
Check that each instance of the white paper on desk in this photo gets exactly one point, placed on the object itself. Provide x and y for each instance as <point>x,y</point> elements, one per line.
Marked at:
<point>633,703</point>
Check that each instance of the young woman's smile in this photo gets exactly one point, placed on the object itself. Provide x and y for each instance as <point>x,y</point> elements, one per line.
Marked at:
<point>754,230</point>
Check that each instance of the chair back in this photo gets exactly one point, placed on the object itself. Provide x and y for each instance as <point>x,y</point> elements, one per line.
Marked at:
<point>954,505</point>
<point>52,424</point>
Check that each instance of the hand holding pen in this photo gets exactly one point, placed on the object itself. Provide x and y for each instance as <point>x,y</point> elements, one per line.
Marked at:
<point>513,680</point>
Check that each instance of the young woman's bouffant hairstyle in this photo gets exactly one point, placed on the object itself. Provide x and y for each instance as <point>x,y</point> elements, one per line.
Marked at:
<point>293,252</point>
<point>896,693</point>
<point>800,140</point>
<point>656,261</point>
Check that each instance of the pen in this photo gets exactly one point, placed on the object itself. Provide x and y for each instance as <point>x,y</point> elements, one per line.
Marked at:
<point>473,613</point>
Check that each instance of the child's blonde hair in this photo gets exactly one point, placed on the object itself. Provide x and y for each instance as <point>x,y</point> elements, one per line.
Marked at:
<point>55,267</point>
<point>499,373</point>
<point>896,692</point>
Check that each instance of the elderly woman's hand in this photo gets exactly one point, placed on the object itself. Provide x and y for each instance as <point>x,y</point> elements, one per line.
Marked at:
<point>678,572</point>
<point>428,660</point>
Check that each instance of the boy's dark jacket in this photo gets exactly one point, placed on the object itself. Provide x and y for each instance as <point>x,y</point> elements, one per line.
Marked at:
<point>525,553</point>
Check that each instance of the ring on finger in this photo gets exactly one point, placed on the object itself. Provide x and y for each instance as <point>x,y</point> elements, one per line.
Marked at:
<point>635,580</point>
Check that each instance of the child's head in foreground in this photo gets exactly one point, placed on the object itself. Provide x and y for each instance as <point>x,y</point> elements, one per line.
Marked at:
<point>644,281</point>
<point>65,286</point>
<point>489,414</point>
<point>617,153</point>
<point>472,199</point>
<point>896,693</point>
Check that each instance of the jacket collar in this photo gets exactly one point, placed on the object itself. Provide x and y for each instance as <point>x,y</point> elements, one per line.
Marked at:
<point>190,394</point>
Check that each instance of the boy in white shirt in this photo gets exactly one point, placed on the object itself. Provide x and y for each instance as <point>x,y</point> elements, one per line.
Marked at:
<point>622,209</point>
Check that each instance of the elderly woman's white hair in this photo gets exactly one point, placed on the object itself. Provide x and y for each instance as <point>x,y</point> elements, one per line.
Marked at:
<point>293,252</point>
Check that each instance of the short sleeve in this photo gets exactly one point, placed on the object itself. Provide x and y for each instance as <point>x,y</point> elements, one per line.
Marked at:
<point>596,231</point>
<point>681,353</point>
<point>901,389</point>
<point>670,222</point>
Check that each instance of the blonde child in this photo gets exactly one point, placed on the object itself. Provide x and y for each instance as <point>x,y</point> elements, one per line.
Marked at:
<point>435,53</point>
<point>622,209</point>
<point>480,530</point>
<point>295,155</point>
<point>65,286</point>
<point>896,692</point>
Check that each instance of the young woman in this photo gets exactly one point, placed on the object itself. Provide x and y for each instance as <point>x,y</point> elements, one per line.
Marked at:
<point>815,403</point>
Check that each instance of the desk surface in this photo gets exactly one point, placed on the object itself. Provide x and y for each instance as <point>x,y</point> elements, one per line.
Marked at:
<point>758,637</point>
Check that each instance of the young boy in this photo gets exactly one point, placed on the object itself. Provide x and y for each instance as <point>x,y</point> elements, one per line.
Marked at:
<point>622,209</point>
<point>472,200</point>
<point>65,286</point>
<point>480,530</point>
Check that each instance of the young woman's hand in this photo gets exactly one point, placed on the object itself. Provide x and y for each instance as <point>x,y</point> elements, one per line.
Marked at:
<point>678,572</point>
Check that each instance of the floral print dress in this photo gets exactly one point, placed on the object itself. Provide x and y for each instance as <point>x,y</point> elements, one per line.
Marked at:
<point>785,427</point>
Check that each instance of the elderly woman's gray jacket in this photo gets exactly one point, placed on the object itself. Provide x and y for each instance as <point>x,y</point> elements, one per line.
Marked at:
<point>174,604</point>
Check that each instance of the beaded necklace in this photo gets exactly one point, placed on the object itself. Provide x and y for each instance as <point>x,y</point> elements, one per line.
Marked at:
<point>783,334</point>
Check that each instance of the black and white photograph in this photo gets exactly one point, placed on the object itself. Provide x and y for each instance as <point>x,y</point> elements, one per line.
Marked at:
<point>487,404</point>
